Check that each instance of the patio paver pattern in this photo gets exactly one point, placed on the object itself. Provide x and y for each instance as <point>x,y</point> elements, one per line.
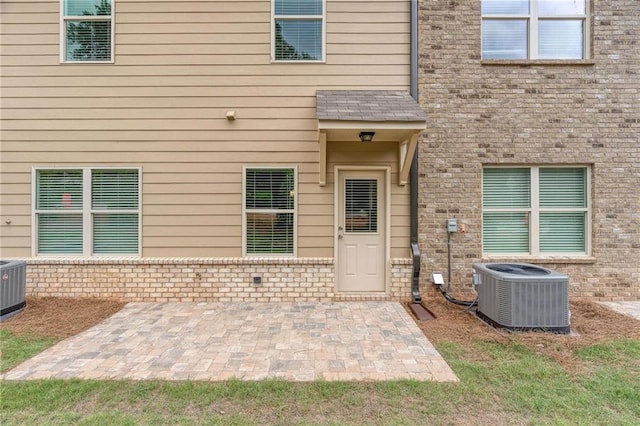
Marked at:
<point>247,341</point>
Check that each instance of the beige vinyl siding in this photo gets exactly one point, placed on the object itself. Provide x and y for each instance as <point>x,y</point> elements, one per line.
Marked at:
<point>179,67</point>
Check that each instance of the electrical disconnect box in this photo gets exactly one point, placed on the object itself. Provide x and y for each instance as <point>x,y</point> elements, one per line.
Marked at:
<point>452,225</point>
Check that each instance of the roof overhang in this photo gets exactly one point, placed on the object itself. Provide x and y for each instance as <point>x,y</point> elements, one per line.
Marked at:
<point>394,117</point>
<point>387,131</point>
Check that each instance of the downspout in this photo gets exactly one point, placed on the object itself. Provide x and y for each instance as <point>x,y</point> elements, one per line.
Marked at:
<point>413,172</point>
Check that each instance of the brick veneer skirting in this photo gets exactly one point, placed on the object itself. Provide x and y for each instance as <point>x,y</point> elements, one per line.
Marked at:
<point>201,279</point>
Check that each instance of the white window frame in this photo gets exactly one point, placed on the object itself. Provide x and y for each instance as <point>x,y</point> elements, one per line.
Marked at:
<point>322,17</point>
<point>96,18</point>
<point>534,211</point>
<point>245,210</point>
<point>533,18</point>
<point>87,212</point>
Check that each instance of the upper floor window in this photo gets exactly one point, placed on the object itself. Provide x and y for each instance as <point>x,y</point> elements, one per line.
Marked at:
<point>269,211</point>
<point>86,31</point>
<point>87,212</point>
<point>535,210</point>
<point>534,29</point>
<point>298,30</point>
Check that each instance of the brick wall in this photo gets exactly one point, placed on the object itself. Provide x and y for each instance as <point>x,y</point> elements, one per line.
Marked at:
<point>212,280</point>
<point>585,113</point>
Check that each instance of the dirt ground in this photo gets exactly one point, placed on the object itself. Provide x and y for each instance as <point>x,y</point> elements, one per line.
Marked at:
<point>60,317</point>
<point>590,324</point>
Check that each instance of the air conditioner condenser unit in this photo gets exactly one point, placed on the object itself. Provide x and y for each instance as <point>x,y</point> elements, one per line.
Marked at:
<point>520,296</point>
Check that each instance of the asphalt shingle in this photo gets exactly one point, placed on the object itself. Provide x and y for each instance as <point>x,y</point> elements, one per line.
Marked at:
<point>367,105</point>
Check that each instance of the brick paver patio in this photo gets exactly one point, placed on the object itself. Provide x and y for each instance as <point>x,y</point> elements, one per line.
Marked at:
<point>247,341</point>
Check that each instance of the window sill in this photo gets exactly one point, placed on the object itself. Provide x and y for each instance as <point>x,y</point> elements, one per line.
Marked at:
<point>273,61</point>
<point>87,62</point>
<point>79,259</point>
<point>583,260</point>
<point>535,62</point>
<point>269,256</point>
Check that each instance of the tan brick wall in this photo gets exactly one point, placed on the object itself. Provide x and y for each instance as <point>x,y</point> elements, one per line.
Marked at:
<point>531,114</point>
<point>198,279</point>
<point>401,275</point>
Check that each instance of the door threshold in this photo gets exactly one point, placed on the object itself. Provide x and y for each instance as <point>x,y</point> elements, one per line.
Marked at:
<point>378,297</point>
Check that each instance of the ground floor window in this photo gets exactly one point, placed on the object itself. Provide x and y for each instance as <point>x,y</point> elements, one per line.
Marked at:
<point>85,211</point>
<point>535,210</point>
<point>269,211</point>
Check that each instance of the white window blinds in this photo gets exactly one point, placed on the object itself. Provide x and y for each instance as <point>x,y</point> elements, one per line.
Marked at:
<point>298,30</point>
<point>87,212</point>
<point>507,188</point>
<point>361,205</point>
<point>114,200</point>
<point>59,190</point>
<point>560,39</point>
<point>534,29</point>
<point>551,219</point>
<point>269,210</point>
<point>59,203</point>
<point>506,202</point>
<point>87,30</point>
<point>563,209</point>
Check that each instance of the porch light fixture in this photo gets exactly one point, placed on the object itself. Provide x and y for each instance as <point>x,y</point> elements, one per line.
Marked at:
<point>366,136</point>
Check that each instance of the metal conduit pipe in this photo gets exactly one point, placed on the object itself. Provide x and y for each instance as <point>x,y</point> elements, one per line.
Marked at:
<point>413,187</point>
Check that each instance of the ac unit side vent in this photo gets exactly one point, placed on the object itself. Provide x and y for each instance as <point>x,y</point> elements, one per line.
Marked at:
<point>12,287</point>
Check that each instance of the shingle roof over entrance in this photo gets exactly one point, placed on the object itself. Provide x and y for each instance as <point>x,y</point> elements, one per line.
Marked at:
<point>367,105</point>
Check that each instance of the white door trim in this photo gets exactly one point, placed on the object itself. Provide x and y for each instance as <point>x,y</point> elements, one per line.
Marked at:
<point>387,214</point>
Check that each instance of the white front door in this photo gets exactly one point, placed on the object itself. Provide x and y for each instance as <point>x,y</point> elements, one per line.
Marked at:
<point>361,231</point>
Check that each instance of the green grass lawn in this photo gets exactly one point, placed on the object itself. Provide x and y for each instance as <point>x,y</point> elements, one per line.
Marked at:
<point>15,349</point>
<point>510,384</point>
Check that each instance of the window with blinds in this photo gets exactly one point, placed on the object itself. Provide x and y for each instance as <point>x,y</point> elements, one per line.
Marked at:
<point>507,204</point>
<point>298,30</point>
<point>87,212</point>
<point>269,205</point>
<point>114,207</point>
<point>361,205</point>
<point>59,211</point>
<point>87,27</point>
<point>563,209</point>
<point>534,29</point>
<point>537,210</point>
